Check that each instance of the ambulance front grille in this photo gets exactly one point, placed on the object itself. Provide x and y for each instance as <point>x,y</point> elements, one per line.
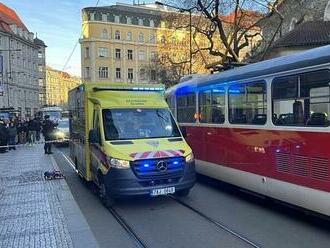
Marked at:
<point>147,169</point>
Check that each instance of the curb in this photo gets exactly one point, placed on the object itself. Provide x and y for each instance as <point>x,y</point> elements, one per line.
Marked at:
<point>78,227</point>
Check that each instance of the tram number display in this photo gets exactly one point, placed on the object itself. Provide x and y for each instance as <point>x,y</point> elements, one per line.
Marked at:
<point>163,191</point>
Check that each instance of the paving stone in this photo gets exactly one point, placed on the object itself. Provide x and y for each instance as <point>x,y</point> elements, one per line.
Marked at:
<point>30,211</point>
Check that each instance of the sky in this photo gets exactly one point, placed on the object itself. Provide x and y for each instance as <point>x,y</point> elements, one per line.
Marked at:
<point>58,24</point>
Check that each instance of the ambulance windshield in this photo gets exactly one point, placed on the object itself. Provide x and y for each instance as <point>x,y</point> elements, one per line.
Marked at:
<point>127,124</point>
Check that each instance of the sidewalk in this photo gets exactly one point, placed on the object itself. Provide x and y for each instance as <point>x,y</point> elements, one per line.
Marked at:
<point>35,212</point>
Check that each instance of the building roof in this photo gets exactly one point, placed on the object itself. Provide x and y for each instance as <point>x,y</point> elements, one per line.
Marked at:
<point>310,33</point>
<point>9,17</point>
<point>39,42</point>
<point>128,9</point>
<point>246,18</point>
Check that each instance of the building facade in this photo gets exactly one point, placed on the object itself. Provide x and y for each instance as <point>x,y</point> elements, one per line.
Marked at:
<point>118,42</point>
<point>58,84</point>
<point>305,25</point>
<point>19,87</point>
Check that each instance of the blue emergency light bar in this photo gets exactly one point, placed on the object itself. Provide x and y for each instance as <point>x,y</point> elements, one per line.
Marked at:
<point>155,89</point>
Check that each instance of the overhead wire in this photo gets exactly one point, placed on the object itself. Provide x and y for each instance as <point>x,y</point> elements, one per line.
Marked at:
<point>76,44</point>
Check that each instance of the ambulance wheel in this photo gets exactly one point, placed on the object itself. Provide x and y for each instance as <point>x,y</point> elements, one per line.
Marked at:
<point>105,198</point>
<point>184,192</point>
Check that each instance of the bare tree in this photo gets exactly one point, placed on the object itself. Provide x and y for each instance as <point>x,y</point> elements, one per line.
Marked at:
<point>231,27</point>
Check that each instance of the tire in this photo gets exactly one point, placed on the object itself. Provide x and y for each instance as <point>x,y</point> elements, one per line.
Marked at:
<point>105,198</point>
<point>183,193</point>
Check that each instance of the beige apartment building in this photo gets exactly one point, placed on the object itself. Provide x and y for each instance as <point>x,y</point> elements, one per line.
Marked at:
<point>120,42</point>
<point>58,84</point>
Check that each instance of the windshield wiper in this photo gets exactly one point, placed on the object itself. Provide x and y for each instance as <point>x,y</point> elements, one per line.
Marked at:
<point>161,116</point>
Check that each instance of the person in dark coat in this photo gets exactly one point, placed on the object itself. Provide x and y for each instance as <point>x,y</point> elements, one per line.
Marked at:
<point>3,136</point>
<point>47,130</point>
<point>12,132</point>
<point>21,132</point>
<point>38,127</point>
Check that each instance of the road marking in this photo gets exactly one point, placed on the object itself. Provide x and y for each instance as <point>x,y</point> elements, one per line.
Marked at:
<point>70,162</point>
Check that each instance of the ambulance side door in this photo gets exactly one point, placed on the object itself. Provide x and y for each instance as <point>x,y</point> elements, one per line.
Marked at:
<point>96,148</point>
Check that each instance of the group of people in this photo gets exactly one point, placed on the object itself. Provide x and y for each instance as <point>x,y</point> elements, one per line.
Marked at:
<point>20,131</point>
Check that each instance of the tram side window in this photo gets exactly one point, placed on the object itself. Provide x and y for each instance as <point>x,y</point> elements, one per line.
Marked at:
<point>186,108</point>
<point>308,105</point>
<point>212,106</point>
<point>248,103</point>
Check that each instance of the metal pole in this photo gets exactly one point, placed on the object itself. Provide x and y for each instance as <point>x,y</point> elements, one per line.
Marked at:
<point>190,42</point>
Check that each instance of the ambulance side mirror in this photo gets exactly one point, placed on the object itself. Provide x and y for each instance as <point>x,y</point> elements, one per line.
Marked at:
<point>93,137</point>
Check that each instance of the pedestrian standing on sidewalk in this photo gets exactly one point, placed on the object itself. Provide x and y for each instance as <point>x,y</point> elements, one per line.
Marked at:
<point>21,131</point>
<point>26,129</point>
<point>38,128</point>
<point>47,130</point>
<point>3,136</point>
<point>12,133</point>
<point>32,131</point>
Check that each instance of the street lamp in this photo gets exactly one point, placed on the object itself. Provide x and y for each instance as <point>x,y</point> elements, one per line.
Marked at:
<point>190,27</point>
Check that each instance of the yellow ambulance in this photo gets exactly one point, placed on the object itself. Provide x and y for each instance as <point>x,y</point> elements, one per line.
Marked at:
<point>124,138</point>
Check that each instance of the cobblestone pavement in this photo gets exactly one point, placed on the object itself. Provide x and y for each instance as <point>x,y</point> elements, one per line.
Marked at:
<point>31,214</point>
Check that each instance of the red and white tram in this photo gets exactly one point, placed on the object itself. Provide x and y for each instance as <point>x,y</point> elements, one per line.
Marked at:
<point>264,127</point>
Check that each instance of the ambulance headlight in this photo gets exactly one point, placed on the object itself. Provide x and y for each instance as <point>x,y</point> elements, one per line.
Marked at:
<point>118,163</point>
<point>190,158</point>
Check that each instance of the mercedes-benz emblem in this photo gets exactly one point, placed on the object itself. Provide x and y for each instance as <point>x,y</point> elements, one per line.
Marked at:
<point>161,166</point>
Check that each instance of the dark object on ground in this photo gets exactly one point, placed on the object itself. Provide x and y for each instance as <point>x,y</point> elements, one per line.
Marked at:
<point>50,175</point>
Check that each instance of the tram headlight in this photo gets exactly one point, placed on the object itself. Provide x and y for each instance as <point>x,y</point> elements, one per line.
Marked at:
<point>118,163</point>
<point>190,158</point>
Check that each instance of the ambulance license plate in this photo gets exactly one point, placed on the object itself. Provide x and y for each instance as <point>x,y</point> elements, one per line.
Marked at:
<point>164,191</point>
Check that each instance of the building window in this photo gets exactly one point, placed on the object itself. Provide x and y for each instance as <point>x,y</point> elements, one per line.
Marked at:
<point>152,39</point>
<point>40,67</point>
<point>152,55</point>
<point>152,23</point>
<point>142,55</point>
<point>98,16</point>
<point>87,55</point>
<point>163,39</point>
<point>248,103</point>
<point>103,72</point>
<point>116,19</point>
<point>118,73</point>
<point>118,53</point>
<point>103,52</point>
<point>40,55</point>
<point>146,22</point>
<point>212,106</point>
<point>117,35</point>
<point>141,37</point>
<point>186,108</point>
<point>130,74</point>
<point>142,74</point>
<point>87,72</point>
<point>153,75</point>
<point>130,54</point>
<point>129,36</point>
<point>110,18</point>
<point>104,34</point>
<point>129,20</point>
<point>302,100</point>
<point>140,21</point>
<point>40,82</point>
